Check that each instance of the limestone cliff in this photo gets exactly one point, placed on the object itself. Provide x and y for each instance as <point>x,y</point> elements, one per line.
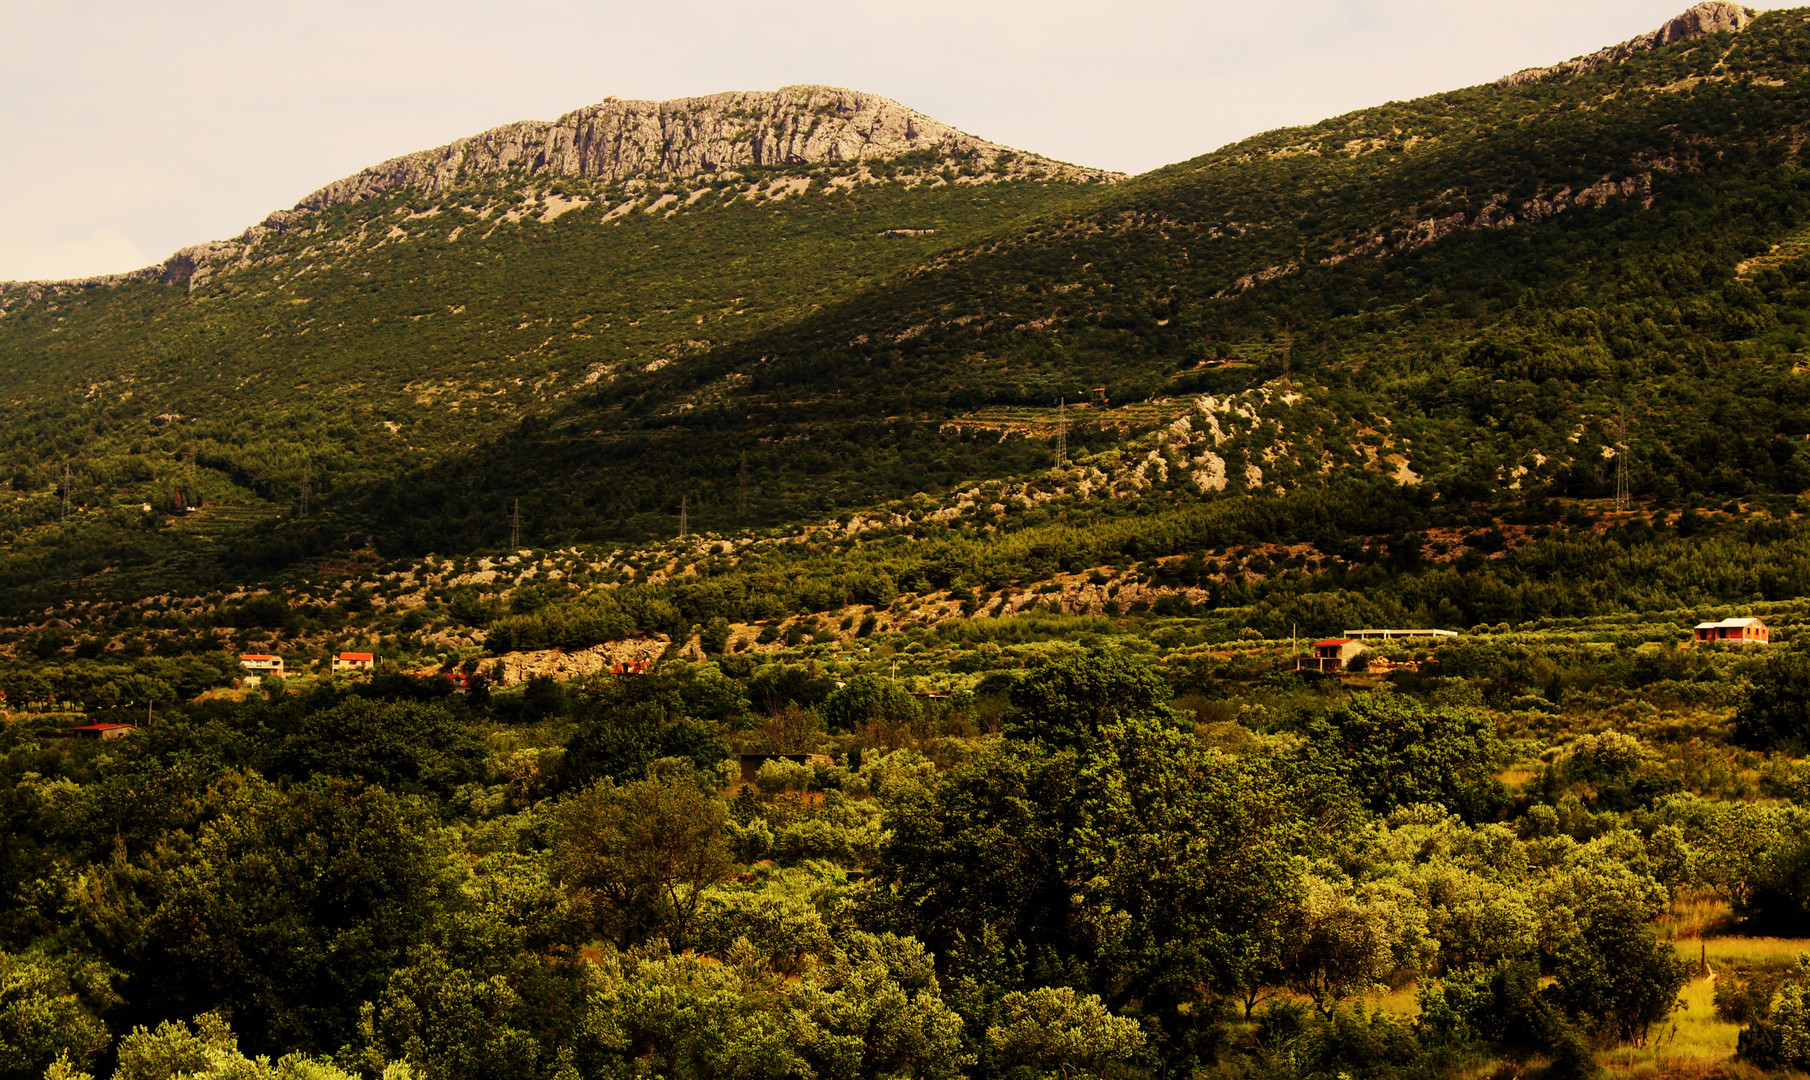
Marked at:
<point>616,140</point>
<point>1701,21</point>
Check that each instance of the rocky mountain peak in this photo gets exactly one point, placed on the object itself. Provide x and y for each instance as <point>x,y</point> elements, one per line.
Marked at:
<point>1701,21</point>
<point>617,140</point>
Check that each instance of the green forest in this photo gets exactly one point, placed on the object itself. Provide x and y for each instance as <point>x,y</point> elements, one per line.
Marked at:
<point>865,621</point>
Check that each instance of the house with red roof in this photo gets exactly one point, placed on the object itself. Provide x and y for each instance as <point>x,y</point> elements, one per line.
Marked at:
<point>354,661</point>
<point>1734,631</point>
<point>103,731</point>
<point>1332,654</point>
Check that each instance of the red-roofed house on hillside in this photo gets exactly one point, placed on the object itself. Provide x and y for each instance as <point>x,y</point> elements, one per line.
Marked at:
<point>102,731</point>
<point>354,661</point>
<point>1332,654</point>
<point>261,663</point>
<point>1735,632</point>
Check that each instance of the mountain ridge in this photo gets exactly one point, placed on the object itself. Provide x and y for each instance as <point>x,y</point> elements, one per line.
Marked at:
<point>615,141</point>
<point>1702,20</point>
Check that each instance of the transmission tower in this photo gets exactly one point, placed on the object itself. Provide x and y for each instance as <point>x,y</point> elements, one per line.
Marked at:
<point>1061,432</point>
<point>65,492</point>
<point>1621,462</point>
<point>306,476</point>
<point>515,524</point>
<point>741,487</point>
<point>684,514</point>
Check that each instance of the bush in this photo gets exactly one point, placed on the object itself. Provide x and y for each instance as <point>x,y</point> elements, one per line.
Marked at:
<point>1779,1040</point>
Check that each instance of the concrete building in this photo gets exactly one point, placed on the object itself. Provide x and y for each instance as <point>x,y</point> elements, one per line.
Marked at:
<point>1332,654</point>
<point>1734,631</point>
<point>261,664</point>
<point>103,731</point>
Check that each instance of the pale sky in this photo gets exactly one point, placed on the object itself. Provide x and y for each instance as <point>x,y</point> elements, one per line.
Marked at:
<point>132,128</point>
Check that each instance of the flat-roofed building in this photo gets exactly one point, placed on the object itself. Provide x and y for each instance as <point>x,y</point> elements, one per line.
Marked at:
<point>261,663</point>
<point>1387,634</point>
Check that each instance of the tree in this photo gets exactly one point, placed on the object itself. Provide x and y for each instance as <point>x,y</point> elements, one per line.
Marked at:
<point>628,722</point>
<point>870,1011</point>
<point>1136,863</point>
<point>1777,898</point>
<point>1779,1038</point>
<point>454,1024</point>
<point>1058,1032</point>
<point>1340,940</point>
<point>45,1013</point>
<point>715,636</point>
<point>1775,712</point>
<point>1616,977</point>
<point>209,1051</point>
<point>1396,752</point>
<point>642,854</point>
<point>291,907</point>
<point>1068,701</point>
<point>403,745</point>
<point>868,699</point>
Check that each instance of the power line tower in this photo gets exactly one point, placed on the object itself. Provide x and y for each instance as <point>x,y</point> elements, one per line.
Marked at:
<point>684,514</point>
<point>65,491</point>
<point>193,477</point>
<point>307,475</point>
<point>741,487</point>
<point>515,524</point>
<point>1621,461</point>
<point>1061,432</point>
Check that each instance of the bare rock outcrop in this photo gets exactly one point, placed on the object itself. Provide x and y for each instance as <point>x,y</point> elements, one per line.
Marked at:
<point>1701,21</point>
<point>518,667</point>
<point>615,140</point>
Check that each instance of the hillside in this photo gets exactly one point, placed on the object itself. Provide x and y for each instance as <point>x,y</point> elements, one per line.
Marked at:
<point>1473,291</point>
<point>1484,295</point>
<point>425,305</point>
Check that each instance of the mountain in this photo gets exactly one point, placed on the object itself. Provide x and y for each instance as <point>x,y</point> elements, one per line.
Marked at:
<point>1496,294</point>
<point>426,304</point>
<point>1470,292</point>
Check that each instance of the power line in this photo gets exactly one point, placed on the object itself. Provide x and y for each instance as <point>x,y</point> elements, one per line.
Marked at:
<point>741,487</point>
<point>684,514</point>
<point>65,491</point>
<point>1061,432</point>
<point>515,524</point>
<point>1621,461</point>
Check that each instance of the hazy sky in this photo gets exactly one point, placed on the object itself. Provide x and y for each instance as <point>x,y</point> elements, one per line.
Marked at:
<point>134,127</point>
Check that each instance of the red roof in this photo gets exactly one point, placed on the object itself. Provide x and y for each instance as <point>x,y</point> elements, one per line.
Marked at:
<point>355,656</point>
<point>100,727</point>
<point>257,656</point>
<point>1334,641</point>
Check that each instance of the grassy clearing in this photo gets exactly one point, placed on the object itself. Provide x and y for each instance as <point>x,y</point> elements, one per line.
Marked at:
<point>1745,952</point>
<point>1691,1042</point>
<point>1695,1042</point>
